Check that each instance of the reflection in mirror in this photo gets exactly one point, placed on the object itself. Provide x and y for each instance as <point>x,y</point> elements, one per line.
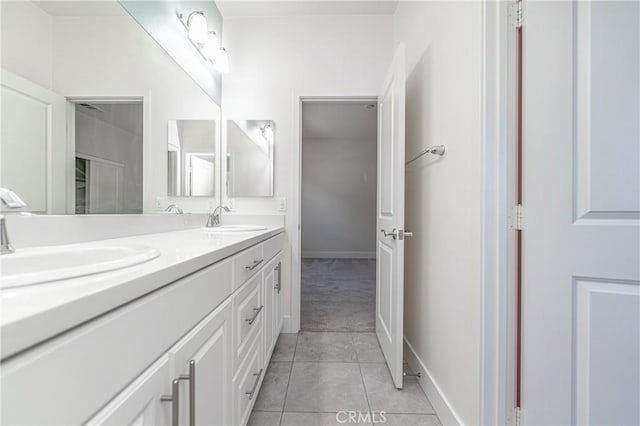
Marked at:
<point>250,146</point>
<point>72,108</point>
<point>191,158</point>
<point>108,158</point>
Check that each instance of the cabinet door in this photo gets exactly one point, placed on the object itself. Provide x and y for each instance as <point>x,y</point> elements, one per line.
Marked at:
<point>202,360</point>
<point>269,296</point>
<point>139,404</point>
<point>277,315</point>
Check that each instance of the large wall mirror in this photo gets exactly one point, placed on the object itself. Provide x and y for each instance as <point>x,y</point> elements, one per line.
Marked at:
<point>249,162</point>
<point>85,102</point>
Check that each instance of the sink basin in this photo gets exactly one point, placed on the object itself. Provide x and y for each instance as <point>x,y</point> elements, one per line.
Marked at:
<point>225,229</point>
<point>40,265</point>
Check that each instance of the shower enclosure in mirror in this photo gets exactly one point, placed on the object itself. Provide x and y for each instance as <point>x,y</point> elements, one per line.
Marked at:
<point>191,158</point>
<point>250,149</point>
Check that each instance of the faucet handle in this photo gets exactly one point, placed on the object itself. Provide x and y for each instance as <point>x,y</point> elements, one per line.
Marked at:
<point>11,199</point>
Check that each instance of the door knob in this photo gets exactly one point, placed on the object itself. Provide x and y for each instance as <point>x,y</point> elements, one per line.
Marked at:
<point>393,233</point>
<point>405,234</point>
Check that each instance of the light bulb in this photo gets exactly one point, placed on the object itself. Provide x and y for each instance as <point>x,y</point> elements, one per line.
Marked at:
<point>197,24</point>
<point>222,61</point>
<point>268,133</point>
<point>211,46</point>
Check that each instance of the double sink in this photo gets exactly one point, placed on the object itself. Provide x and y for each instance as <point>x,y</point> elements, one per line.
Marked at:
<point>40,265</point>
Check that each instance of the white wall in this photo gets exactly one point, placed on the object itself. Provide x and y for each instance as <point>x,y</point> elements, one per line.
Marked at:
<point>442,266</point>
<point>273,59</point>
<point>26,34</point>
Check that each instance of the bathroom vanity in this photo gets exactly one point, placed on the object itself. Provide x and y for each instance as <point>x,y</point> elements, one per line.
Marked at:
<point>182,339</point>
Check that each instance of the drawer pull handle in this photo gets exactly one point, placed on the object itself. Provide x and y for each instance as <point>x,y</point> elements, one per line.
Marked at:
<point>174,398</point>
<point>254,265</point>
<point>255,316</point>
<point>278,285</point>
<point>255,384</point>
<point>191,378</point>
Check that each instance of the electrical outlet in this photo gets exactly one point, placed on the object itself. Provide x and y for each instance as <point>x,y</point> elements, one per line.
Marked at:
<point>159,201</point>
<point>282,204</point>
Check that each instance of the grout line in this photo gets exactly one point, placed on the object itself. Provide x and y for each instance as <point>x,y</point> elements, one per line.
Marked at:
<point>286,392</point>
<point>364,386</point>
<point>333,412</point>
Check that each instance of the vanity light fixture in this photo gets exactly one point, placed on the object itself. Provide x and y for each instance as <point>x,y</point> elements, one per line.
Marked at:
<point>206,42</point>
<point>197,27</point>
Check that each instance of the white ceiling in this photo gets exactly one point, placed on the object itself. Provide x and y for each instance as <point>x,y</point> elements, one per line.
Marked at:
<point>339,120</point>
<point>81,8</point>
<point>241,8</point>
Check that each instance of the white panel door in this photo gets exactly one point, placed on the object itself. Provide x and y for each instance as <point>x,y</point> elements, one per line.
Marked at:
<point>32,144</point>
<point>201,175</point>
<point>390,216</point>
<point>106,186</point>
<point>581,237</point>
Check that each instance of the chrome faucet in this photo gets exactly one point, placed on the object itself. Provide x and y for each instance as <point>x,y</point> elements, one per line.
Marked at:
<point>214,217</point>
<point>175,207</point>
<point>11,200</point>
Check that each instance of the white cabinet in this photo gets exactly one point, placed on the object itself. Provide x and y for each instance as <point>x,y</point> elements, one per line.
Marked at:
<point>272,290</point>
<point>202,362</point>
<point>205,338</point>
<point>140,404</point>
<point>196,371</point>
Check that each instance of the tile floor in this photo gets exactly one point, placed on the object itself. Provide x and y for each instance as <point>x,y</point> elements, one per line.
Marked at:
<point>338,295</point>
<point>314,375</point>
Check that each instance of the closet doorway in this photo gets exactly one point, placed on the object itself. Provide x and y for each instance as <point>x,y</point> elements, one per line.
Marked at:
<point>338,270</point>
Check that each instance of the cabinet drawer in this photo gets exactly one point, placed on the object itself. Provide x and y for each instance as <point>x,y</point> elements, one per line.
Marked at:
<point>247,384</point>
<point>246,264</point>
<point>273,246</point>
<point>248,311</point>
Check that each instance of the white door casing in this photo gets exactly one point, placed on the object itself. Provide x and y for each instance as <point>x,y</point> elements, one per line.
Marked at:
<point>33,144</point>
<point>390,216</point>
<point>581,237</point>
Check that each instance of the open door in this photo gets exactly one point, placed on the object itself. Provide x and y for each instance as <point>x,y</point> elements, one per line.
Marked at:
<point>390,216</point>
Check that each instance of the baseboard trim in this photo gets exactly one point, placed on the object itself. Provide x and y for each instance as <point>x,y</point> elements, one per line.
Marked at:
<point>339,254</point>
<point>444,410</point>
<point>287,325</point>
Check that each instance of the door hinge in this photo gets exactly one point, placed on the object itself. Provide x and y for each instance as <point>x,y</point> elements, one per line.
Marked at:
<point>519,14</point>
<point>517,215</point>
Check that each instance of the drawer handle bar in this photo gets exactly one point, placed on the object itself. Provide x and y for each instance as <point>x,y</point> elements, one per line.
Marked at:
<point>191,378</point>
<point>174,398</point>
<point>278,286</point>
<point>255,316</point>
<point>254,265</point>
<point>255,384</point>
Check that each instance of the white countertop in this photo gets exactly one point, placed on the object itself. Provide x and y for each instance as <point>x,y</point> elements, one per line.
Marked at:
<point>32,314</point>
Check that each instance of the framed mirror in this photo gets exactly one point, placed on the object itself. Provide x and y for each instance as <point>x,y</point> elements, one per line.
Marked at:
<point>191,158</point>
<point>249,158</point>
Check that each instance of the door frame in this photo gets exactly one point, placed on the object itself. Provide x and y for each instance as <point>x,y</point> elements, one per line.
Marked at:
<point>498,185</point>
<point>293,323</point>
